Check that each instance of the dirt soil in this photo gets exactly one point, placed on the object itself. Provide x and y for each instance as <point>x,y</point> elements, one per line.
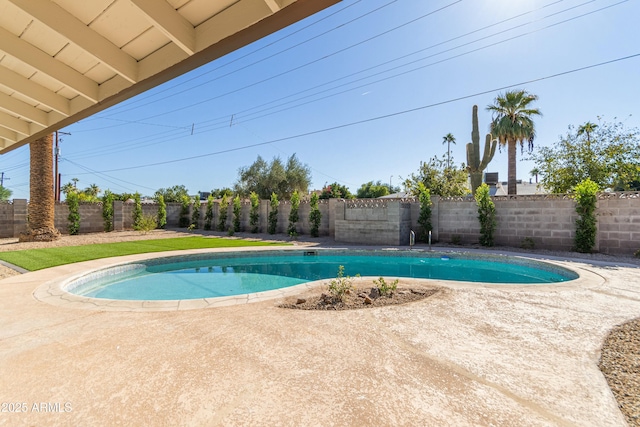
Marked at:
<point>620,356</point>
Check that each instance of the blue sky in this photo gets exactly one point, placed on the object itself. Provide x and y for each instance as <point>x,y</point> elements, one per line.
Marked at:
<point>362,91</point>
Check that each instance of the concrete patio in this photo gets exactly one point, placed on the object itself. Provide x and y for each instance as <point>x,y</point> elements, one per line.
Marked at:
<point>470,355</point>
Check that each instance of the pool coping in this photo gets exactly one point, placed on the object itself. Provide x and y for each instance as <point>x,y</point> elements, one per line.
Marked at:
<point>54,292</point>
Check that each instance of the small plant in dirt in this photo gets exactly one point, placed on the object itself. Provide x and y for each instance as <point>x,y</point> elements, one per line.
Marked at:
<point>183,222</point>
<point>315,216</point>
<point>74,213</point>
<point>486,215</point>
<point>162,211</point>
<point>254,214</point>
<point>386,288</point>
<point>528,243</point>
<point>273,214</point>
<point>107,210</point>
<point>237,210</point>
<point>146,224</point>
<point>195,215</point>
<point>341,285</point>
<point>208,216</point>
<point>224,211</point>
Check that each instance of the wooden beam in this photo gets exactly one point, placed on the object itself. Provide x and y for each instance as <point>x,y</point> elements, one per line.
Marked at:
<point>8,135</point>
<point>14,124</point>
<point>18,83</point>
<point>41,61</point>
<point>166,19</point>
<point>74,30</point>
<point>22,109</point>
<point>273,5</point>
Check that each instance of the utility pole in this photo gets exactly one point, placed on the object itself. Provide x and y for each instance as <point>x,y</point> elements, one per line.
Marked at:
<point>2,178</point>
<point>56,177</point>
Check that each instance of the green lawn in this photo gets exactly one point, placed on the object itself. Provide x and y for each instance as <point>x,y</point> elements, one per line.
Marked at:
<point>37,259</point>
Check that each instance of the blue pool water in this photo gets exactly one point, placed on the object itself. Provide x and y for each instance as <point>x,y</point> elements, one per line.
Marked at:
<point>215,275</point>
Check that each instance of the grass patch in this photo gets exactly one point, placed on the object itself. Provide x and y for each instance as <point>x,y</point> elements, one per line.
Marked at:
<point>38,259</point>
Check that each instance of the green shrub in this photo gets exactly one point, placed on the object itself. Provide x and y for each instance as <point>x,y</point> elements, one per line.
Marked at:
<point>254,215</point>
<point>528,243</point>
<point>195,215</point>
<point>386,288</point>
<point>208,216</point>
<point>585,195</point>
<point>486,215</point>
<point>137,211</point>
<point>456,239</point>
<point>237,210</point>
<point>107,210</point>
<point>162,212</point>
<point>273,214</point>
<point>293,215</point>
<point>224,212</point>
<point>146,224</point>
<point>74,213</point>
<point>341,285</point>
<point>315,216</point>
<point>424,220</point>
<point>183,222</point>
<point>637,253</point>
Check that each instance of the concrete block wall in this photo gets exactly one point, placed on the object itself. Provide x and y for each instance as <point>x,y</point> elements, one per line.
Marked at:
<point>619,223</point>
<point>378,222</point>
<point>456,220</point>
<point>6,219</point>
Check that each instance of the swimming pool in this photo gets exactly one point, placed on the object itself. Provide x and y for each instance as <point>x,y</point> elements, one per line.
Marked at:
<point>214,275</point>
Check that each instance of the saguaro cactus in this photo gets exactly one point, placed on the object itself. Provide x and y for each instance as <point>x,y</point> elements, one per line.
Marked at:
<point>475,166</point>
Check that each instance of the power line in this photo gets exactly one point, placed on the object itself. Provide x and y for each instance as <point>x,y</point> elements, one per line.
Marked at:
<point>372,119</point>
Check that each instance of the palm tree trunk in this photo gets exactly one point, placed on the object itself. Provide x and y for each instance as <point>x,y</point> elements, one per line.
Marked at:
<point>511,171</point>
<point>41,204</point>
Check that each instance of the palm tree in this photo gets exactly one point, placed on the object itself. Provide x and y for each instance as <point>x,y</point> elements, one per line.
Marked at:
<point>587,128</point>
<point>448,139</point>
<point>535,172</point>
<point>512,123</point>
<point>41,225</point>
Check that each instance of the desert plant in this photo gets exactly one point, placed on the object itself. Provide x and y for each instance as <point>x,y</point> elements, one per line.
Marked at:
<point>183,222</point>
<point>162,212</point>
<point>107,210</point>
<point>528,243</point>
<point>147,223</point>
<point>74,213</point>
<point>237,209</point>
<point>341,285</point>
<point>315,216</point>
<point>195,215</point>
<point>254,215</point>
<point>486,215</point>
<point>224,211</point>
<point>293,215</point>
<point>208,216</point>
<point>137,210</point>
<point>586,226</point>
<point>386,288</point>
<point>424,220</point>
<point>475,165</point>
<point>273,214</point>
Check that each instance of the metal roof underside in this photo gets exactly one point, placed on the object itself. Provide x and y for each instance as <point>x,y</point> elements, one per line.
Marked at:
<point>64,60</point>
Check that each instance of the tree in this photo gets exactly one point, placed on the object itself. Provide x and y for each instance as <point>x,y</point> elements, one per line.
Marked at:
<point>440,180</point>
<point>265,178</point>
<point>41,201</point>
<point>315,216</point>
<point>293,214</point>
<point>534,173</point>
<point>273,214</point>
<point>513,123</point>
<point>608,154</point>
<point>161,217</point>
<point>254,214</point>
<point>424,220</point>
<point>335,191</point>
<point>371,190</point>
<point>173,194</point>
<point>5,193</point>
<point>449,139</point>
